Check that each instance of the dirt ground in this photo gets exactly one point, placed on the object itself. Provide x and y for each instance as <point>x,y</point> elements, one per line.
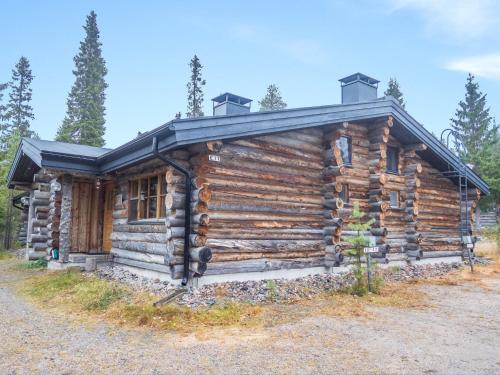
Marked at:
<point>459,333</point>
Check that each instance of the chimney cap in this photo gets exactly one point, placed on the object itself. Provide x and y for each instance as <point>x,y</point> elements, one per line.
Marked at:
<point>228,97</point>
<point>359,77</point>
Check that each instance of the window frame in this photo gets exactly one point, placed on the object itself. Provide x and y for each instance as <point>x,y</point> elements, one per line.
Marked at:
<point>349,148</point>
<point>397,199</point>
<point>143,205</point>
<point>396,156</point>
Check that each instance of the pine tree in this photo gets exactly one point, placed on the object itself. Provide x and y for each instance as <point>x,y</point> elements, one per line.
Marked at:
<point>272,101</point>
<point>394,90</point>
<point>85,104</point>
<point>19,112</point>
<point>478,132</point>
<point>194,88</point>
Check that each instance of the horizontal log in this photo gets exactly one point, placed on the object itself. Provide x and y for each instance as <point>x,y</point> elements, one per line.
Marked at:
<point>39,202</point>
<point>255,265</point>
<point>334,171</point>
<point>43,178</point>
<point>39,223</point>
<point>199,268</point>
<point>138,256</point>
<point>197,240</point>
<point>144,265</point>
<point>200,254</point>
<point>272,246</point>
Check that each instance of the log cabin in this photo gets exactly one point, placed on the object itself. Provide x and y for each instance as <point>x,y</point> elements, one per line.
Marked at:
<point>250,195</point>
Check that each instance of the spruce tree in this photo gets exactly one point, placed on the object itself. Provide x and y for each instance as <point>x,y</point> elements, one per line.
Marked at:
<point>19,112</point>
<point>394,90</point>
<point>85,104</point>
<point>272,101</point>
<point>478,132</point>
<point>194,88</point>
<point>472,120</point>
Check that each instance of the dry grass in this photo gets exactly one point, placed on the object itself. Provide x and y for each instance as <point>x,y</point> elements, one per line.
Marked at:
<point>73,292</point>
<point>97,299</point>
<point>88,297</point>
<point>485,248</point>
<point>488,249</point>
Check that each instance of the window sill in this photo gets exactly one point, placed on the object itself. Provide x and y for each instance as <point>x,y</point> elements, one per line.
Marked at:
<point>146,222</point>
<point>393,173</point>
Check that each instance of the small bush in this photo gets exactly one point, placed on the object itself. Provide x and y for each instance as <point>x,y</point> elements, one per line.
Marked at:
<point>272,290</point>
<point>33,264</point>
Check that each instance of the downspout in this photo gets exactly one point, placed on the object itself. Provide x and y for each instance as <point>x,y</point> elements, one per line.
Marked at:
<point>187,205</point>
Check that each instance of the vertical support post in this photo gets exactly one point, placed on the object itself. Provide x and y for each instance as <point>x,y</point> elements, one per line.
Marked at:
<point>369,271</point>
<point>65,224</point>
<point>29,224</point>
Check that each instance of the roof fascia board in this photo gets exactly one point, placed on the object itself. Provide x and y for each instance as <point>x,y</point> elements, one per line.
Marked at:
<point>435,145</point>
<point>24,148</point>
<point>143,153</point>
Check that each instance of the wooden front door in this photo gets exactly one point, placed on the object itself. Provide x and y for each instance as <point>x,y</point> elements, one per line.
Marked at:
<point>108,218</point>
<point>86,218</point>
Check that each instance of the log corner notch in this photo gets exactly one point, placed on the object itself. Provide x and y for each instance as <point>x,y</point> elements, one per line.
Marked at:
<point>378,135</point>
<point>412,171</point>
<point>191,197</point>
<point>333,167</point>
<point>37,234</point>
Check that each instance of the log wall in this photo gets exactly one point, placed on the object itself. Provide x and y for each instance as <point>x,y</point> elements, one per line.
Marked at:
<point>155,245</point>
<point>266,207</point>
<point>273,202</point>
<point>438,212</point>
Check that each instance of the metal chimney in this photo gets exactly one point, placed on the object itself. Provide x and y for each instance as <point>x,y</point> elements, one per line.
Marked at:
<point>358,88</point>
<point>230,104</point>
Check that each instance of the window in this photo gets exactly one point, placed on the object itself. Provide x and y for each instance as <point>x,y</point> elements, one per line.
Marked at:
<point>392,160</point>
<point>344,144</point>
<point>344,194</point>
<point>394,199</point>
<point>147,198</point>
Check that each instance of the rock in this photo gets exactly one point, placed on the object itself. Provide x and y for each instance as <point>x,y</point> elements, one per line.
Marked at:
<point>264,291</point>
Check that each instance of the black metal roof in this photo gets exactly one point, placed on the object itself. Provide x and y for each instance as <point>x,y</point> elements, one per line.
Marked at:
<point>34,154</point>
<point>181,132</point>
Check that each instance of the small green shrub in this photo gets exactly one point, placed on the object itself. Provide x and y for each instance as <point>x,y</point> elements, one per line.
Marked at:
<point>33,264</point>
<point>272,290</point>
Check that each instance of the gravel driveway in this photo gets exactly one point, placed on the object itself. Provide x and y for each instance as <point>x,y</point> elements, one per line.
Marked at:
<point>460,334</point>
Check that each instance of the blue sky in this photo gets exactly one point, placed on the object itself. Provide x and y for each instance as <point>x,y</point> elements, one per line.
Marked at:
<point>303,47</point>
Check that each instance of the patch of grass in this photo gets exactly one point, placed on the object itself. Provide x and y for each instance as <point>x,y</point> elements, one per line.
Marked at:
<point>179,318</point>
<point>74,289</point>
<point>32,264</point>
<point>492,233</point>
<point>488,249</point>
<point>74,292</point>
<point>5,255</point>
